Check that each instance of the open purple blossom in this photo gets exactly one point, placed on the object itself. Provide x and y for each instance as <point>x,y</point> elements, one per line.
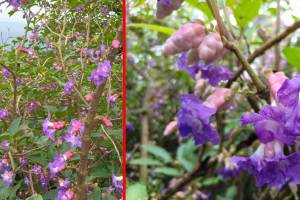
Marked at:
<point>228,173</point>
<point>69,87</point>
<point>269,124</point>
<point>64,192</point>
<point>5,72</point>
<point>270,166</point>
<point>288,95</point>
<point>112,99</point>
<point>15,4</point>
<point>3,114</point>
<point>48,129</point>
<point>7,177</point>
<point>57,165</point>
<point>212,72</point>
<point>75,131</point>
<point>98,76</point>
<point>194,119</point>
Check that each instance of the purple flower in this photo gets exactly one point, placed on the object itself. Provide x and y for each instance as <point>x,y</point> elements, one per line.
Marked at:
<point>74,135</point>
<point>5,144</point>
<point>26,181</point>
<point>228,173</point>
<point>64,191</point>
<point>112,99</point>
<point>37,170</point>
<point>213,73</point>
<point>288,94</point>
<point>270,166</point>
<point>80,9</point>
<point>98,76</point>
<point>69,87</point>
<point>117,183</point>
<point>269,124</point>
<point>15,4</point>
<point>3,114</point>
<point>7,177</point>
<point>48,129</point>
<point>194,119</point>
<point>57,165</point>
<point>32,106</point>
<point>5,72</point>
<point>44,180</point>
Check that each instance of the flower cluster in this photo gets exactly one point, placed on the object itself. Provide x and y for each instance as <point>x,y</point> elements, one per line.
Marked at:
<point>59,162</point>
<point>69,87</point>
<point>49,128</point>
<point>98,76</point>
<point>73,137</point>
<point>64,192</point>
<point>275,127</point>
<point>5,72</point>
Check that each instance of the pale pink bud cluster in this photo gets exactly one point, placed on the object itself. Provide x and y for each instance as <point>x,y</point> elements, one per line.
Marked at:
<point>188,36</point>
<point>201,46</point>
<point>166,7</point>
<point>219,99</point>
<point>211,48</point>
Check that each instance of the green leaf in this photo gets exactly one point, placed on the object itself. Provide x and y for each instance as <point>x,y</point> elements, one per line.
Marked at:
<point>139,3</point>
<point>145,161</point>
<point>35,197</point>
<point>14,126</point>
<point>186,155</point>
<point>230,194</point>
<point>292,55</point>
<point>137,191</point>
<point>245,10</point>
<point>202,6</point>
<point>153,27</point>
<point>167,171</point>
<point>158,152</point>
<point>54,109</point>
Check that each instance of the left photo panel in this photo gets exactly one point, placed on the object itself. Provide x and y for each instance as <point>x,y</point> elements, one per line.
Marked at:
<point>61,99</point>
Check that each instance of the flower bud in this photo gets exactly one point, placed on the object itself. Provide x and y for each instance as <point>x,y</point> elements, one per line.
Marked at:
<point>170,128</point>
<point>211,48</point>
<point>275,81</point>
<point>219,99</point>
<point>166,7</point>
<point>188,36</point>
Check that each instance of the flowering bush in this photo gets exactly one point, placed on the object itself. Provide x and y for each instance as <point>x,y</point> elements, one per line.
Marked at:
<point>218,118</point>
<point>60,118</point>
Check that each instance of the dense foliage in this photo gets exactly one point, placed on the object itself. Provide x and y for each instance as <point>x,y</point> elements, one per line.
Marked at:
<point>60,107</point>
<point>213,99</point>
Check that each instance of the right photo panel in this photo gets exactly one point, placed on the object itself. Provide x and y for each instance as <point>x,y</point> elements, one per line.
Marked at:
<point>213,99</point>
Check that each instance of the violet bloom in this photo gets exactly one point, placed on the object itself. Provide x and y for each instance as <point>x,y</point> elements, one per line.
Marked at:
<point>98,76</point>
<point>7,177</point>
<point>3,114</point>
<point>80,9</point>
<point>288,95</point>
<point>269,124</point>
<point>37,170</point>
<point>15,4</point>
<point>26,181</point>
<point>5,144</point>
<point>32,106</point>
<point>5,72</point>
<point>112,100</point>
<point>194,119</point>
<point>57,165</point>
<point>117,183</point>
<point>69,87</point>
<point>48,129</point>
<point>213,73</point>
<point>270,166</point>
<point>4,166</point>
<point>44,180</point>
<point>74,135</point>
<point>64,192</point>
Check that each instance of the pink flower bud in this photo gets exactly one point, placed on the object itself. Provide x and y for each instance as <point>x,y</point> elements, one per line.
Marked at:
<point>68,155</point>
<point>89,97</point>
<point>170,128</point>
<point>106,122</point>
<point>58,125</point>
<point>275,82</point>
<point>115,43</point>
<point>166,7</point>
<point>219,99</point>
<point>211,49</point>
<point>59,140</point>
<point>188,36</point>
